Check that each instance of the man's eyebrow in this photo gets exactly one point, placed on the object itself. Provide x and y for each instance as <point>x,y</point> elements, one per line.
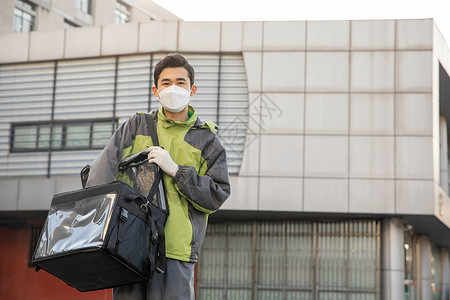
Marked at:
<point>177,79</point>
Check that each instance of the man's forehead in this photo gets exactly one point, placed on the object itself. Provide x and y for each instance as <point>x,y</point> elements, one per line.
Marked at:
<point>174,73</point>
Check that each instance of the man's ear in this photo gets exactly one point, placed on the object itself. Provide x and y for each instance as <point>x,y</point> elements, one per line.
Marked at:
<point>155,91</point>
<point>193,90</point>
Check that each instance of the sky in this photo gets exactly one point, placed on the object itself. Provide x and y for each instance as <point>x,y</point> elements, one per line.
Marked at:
<point>298,10</point>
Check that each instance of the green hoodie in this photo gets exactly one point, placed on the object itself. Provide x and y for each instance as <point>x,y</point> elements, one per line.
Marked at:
<point>200,186</point>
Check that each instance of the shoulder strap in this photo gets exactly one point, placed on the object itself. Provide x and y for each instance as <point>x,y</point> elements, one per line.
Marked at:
<point>151,120</point>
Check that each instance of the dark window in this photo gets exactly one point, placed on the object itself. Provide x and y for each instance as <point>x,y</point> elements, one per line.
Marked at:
<point>70,135</point>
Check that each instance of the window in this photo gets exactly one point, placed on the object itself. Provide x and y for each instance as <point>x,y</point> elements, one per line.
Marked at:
<point>436,273</point>
<point>84,6</point>
<point>64,136</point>
<point>411,265</point>
<point>290,260</point>
<point>122,13</point>
<point>24,16</point>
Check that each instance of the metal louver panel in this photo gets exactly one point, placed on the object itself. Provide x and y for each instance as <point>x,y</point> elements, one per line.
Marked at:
<point>133,85</point>
<point>233,108</point>
<point>85,89</point>
<point>25,94</point>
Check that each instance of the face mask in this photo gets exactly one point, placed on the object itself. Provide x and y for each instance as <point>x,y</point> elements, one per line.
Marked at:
<point>174,98</point>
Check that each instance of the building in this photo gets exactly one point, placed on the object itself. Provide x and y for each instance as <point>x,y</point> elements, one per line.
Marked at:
<point>45,15</point>
<point>336,137</point>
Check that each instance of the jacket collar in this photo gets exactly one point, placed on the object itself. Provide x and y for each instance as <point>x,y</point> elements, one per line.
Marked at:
<point>193,120</point>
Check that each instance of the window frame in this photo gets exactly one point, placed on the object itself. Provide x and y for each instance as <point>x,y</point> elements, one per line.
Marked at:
<point>65,124</point>
<point>25,8</point>
<point>122,10</point>
<point>84,6</point>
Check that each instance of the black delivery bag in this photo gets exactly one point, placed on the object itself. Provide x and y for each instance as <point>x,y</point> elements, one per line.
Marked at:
<point>107,235</point>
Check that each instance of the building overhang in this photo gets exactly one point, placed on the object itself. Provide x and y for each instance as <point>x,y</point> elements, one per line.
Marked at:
<point>428,225</point>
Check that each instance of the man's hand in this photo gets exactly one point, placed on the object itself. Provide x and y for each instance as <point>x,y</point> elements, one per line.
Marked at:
<point>162,158</point>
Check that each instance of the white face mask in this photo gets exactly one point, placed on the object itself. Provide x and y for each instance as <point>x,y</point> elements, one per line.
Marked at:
<point>174,98</point>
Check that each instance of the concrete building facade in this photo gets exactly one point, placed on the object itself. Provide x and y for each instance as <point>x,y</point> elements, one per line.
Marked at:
<point>336,133</point>
<point>48,15</point>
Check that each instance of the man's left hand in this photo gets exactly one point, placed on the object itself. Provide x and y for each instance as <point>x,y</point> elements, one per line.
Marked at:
<point>162,158</point>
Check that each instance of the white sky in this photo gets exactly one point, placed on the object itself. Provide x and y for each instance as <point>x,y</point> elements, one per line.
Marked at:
<point>296,10</point>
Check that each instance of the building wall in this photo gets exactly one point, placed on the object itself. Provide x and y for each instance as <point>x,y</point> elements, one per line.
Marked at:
<point>343,116</point>
<point>349,106</point>
<point>20,281</point>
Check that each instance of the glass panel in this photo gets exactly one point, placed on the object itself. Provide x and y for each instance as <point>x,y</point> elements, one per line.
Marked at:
<point>23,17</point>
<point>83,5</point>
<point>77,135</point>
<point>44,137</point>
<point>435,274</point>
<point>17,20</point>
<point>210,294</point>
<point>239,294</point>
<point>240,245</point>
<point>409,281</point>
<point>271,256</point>
<point>121,13</point>
<point>299,256</point>
<point>332,260</point>
<point>300,296</point>
<point>57,136</point>
<point>362,256</point>
<point>362,297</point>
<point>25,137</point>
<point>270,295</point>
<point>101,133</point>
<point>212,260</point>
<point>332,296</point>
<point>342,254</point>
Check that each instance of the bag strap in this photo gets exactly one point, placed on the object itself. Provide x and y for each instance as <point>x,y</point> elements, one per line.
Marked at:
<point>151,120</point>
<point>160,264</point>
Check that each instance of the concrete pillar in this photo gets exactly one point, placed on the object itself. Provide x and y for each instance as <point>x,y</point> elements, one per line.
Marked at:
<point>425,267</point>
<point>392,257</point>
<point>445,265</point>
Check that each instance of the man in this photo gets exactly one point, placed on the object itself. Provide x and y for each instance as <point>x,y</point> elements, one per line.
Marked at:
<point>195,175</point>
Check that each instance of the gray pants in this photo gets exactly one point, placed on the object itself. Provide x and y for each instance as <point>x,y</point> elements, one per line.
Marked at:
<point>177,283</point>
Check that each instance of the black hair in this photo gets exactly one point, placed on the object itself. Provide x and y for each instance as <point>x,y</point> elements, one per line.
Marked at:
<point>173,60</point>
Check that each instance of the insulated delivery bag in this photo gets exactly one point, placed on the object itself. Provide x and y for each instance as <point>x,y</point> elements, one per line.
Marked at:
<point>107,235</point>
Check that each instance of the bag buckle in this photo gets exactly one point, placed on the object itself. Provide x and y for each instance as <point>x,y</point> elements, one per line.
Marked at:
<point>124,215</point>
<point>144,206</point>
